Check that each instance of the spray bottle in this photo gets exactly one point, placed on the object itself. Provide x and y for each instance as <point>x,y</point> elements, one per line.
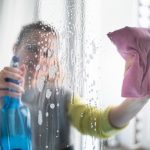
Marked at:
<point>15,127</point>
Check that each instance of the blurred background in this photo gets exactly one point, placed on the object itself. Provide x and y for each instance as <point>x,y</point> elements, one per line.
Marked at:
<point>97,67</point>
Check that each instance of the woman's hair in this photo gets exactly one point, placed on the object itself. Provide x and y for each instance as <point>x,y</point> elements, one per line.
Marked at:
<point>41,26</point>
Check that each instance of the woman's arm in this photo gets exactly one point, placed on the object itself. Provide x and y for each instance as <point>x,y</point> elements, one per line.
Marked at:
<point>106,122</point>
<point>120,115</point>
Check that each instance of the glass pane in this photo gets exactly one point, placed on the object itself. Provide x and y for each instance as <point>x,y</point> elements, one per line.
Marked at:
<point>72,73</point>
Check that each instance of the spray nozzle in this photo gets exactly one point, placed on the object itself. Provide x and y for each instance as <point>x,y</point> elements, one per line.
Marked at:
<point>15,61</point>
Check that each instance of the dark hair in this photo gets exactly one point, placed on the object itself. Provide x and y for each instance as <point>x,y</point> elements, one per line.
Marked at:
<point>41,26</point>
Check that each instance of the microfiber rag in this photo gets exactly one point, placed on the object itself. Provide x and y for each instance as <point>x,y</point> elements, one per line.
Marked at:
<point>134,43</point>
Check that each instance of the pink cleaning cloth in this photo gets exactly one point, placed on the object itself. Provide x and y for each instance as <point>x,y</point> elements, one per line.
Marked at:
<point>134,42</point>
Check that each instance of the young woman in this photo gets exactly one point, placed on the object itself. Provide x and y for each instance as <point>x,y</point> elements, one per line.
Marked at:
<point>52,107</point>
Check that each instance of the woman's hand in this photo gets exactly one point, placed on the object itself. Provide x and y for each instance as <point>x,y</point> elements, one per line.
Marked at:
<point>13,73</point>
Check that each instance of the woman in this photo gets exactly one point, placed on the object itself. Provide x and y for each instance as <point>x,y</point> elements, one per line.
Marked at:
<point>52,107</point>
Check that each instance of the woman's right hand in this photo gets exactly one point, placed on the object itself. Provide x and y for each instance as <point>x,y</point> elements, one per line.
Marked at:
<point>13,73</point>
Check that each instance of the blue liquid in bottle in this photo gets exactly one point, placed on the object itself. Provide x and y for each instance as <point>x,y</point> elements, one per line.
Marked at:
<point>15,128</point>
